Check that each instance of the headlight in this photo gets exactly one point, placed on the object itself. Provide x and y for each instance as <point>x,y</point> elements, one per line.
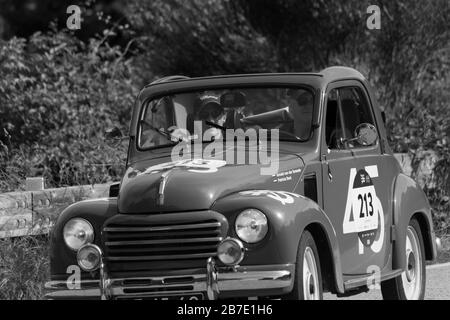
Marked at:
<point>78,232</point>
<point>89,257</point>
<point>230,251</point>
<point>251,225</point>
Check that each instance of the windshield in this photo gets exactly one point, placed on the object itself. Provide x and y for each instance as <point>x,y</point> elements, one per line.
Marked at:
<point>187,116</point>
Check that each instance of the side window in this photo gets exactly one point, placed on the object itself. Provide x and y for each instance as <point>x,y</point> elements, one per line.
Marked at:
<point>333,128</point>
<point>355,111</point>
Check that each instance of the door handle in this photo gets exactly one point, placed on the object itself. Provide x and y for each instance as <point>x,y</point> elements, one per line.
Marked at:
<point>325,161</point>
<point>330,175</point>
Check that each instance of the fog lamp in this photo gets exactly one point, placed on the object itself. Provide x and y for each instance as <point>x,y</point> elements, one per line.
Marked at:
<point>230,251</point>
<point>89,257</point>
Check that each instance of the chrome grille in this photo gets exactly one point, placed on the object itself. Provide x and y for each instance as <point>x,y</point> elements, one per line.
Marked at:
<point>160,244</point>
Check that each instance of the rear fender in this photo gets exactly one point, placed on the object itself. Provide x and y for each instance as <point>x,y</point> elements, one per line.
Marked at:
<point>410,201</point>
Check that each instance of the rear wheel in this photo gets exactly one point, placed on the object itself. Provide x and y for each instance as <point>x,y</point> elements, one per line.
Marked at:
<point>410,285</point>
<point>308,279</point>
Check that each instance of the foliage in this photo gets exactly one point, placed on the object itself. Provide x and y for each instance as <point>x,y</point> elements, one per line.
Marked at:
<point>198,37</point>
<point>24,268</point>
<point>23,18</point>
<point>407,60</point>
<point>57,97</point>
<point>306,35</point>
<point>58,94</point>
<point>413,67</point>
<point>59,91</point>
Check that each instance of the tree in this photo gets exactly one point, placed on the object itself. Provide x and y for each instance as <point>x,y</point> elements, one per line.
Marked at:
<point>198,37</point>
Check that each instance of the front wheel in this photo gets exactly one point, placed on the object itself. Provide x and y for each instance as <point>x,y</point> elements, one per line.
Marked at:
<point>308,279</point>
<point>410,285</point>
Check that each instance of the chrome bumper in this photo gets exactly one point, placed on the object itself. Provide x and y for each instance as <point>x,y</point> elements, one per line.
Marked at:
<point>216,282</point>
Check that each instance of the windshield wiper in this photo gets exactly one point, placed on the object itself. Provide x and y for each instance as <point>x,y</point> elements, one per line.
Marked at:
<point>164,133</point>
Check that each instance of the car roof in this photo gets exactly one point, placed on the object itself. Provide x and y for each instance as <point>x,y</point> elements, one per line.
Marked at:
<point>328,75</point>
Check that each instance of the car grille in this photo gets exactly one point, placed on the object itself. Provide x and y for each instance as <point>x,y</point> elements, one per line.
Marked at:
<point>166,241</point>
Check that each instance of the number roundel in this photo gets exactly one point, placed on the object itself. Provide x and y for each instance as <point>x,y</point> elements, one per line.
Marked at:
<point>364,212</point>
<point>365,189</point>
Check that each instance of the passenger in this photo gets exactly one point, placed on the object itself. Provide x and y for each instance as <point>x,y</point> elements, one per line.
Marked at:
<point>302,111</point>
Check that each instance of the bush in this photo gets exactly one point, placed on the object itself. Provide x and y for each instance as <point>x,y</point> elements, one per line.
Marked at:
<point>24,268</point>
<point>196,38</point>
<point>58,94</point>
<point>57,97</point>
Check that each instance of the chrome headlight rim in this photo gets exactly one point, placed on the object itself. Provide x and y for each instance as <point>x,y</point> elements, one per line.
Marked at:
<point>97,250</point>
<point>90,235</point>
<point>265,230</point>
<point>240,246</point>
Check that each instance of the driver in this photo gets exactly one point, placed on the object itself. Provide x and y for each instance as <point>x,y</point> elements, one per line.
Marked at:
<point>210,110</point>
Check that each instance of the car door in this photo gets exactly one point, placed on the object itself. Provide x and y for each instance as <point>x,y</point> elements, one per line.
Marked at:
<point>355,186</point>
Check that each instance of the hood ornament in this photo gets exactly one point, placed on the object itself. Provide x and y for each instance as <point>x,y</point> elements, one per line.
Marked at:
<point>162,186</point>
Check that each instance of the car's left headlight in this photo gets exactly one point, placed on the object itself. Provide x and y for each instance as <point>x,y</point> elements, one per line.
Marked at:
<point>251,225</point>
<point>78,232</point>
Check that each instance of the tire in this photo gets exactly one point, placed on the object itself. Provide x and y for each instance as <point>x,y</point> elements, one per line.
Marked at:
<point>308,277</point>
<point>410,285</point>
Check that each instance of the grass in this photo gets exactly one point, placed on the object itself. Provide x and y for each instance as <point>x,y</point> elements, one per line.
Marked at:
<point>24,266</point>
<point>444,255</point>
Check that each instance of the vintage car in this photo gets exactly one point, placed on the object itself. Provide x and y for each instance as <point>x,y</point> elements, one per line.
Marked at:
<point>243,186</point>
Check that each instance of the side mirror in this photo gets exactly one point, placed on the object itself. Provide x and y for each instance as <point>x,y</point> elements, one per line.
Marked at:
<point>366,134</point>
<point>113,137</point>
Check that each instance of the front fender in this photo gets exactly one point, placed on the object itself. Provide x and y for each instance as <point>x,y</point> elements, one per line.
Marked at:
<point>409,201</point>
<point>289,214</point>
<point>96,211</point>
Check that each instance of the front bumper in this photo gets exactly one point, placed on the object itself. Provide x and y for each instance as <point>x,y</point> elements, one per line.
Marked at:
<point>215,283</point>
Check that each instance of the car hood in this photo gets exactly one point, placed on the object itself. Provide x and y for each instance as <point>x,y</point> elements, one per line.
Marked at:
<point>161,185</point>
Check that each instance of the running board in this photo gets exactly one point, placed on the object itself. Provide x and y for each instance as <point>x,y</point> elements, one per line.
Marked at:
<point>364,280</point>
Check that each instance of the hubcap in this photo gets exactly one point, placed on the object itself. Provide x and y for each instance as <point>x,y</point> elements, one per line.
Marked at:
<point>411,267</point>
<point>310,276</point>
<point>412,277</point>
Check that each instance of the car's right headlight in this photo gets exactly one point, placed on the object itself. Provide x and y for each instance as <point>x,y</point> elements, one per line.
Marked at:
<point>251,225</point>
<point>78,232</point>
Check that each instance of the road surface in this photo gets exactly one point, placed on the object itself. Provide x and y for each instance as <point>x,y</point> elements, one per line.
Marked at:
<point>438,286</point>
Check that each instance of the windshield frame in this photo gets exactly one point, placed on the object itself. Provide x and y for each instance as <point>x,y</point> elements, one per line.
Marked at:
<point>148,100</point>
